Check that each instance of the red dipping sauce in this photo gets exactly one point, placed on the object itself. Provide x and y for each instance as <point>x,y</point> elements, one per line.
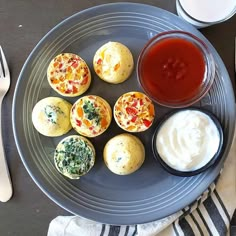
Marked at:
<point>172,70</point>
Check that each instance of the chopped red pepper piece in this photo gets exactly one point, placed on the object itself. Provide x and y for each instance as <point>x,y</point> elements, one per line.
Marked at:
<point>68,91</point>
<point>75,90</point>
<point>99,61</point>
<point>146,122</point>
<point>135,103</point>
<point>78,122</point>
<point>131,111</point>
<point>85,81</point>
<point>74,64</point>
<point>134,118</point>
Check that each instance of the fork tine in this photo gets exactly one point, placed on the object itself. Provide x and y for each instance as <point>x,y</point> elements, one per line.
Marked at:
<point>5,66</point>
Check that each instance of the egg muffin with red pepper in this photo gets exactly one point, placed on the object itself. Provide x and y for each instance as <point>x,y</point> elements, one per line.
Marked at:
<point>113,62</point>
<point>91,115</point>
<point>69,75</point>
<point>134,112</point>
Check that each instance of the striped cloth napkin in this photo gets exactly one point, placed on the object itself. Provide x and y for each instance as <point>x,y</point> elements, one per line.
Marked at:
<point>209,215</point>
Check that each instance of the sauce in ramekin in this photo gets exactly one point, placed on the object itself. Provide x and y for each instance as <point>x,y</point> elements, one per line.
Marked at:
<point>172,70</point>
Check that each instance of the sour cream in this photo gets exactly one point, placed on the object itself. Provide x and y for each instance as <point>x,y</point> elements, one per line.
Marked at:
<point>187,140</point>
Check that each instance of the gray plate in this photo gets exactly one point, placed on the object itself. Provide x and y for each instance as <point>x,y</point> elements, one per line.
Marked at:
<point>148,194</point>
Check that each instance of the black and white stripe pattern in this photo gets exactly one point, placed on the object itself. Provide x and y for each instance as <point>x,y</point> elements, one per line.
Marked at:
<point>113,230</point>
<point>206,216</point>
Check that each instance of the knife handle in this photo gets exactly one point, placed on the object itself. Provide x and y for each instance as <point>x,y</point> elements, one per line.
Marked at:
<point>5,179</point>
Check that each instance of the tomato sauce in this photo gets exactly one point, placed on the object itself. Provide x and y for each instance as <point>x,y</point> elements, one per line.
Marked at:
<point>172,70</point>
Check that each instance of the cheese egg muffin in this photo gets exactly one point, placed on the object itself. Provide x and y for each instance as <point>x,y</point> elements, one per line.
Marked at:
<point>113,62</point>
<point>74,156</point>
<point>69,75</point>
<point>91,115</point>
<point>124,154</point>
<point>51,116</point>
<point>134,112</point>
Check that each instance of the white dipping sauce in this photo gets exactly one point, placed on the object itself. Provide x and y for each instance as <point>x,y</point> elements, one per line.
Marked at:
<point>188,140</point>
<point>208,10</point>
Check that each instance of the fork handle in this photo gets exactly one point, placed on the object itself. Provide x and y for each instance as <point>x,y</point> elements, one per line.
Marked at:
<point>5,179</point>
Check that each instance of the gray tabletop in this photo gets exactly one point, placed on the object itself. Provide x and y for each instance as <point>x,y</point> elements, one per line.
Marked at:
<point>22,25</point>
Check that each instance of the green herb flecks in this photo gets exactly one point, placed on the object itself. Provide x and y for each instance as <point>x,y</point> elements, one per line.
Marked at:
<point>118,159</point>
<point>75,158</point>
<point>51,113</point>
<point>91,112</point>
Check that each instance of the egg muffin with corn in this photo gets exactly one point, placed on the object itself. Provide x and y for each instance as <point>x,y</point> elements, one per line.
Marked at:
<point>69,75</point>
<point>113,62</point>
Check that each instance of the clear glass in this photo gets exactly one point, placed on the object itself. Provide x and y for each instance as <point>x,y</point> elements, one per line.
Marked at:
<point>209,74</point>
<point>196,22</point>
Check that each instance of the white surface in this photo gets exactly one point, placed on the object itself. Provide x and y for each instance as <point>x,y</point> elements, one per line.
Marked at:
<point>208,10</point>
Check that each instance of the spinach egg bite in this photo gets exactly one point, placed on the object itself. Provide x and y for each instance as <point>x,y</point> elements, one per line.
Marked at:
<point>91,115</point>
<point>74,156</point>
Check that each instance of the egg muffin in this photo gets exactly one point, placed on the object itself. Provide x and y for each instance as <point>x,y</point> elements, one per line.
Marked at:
<point>134,112</point>
<point>74,156</point>
<point>69,75</point>
<point>91,115</point>
<point>124,154</point>
<point>51,116</point>
<point>113,62</point>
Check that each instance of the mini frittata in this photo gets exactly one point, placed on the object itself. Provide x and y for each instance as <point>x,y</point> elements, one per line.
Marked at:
<point>124,154</point>
<point>91,115</point>
<point>51,116</point>
<point>69,75</point>
<point>134,112</point>
<point>113,62</point>
<point>74,156</point>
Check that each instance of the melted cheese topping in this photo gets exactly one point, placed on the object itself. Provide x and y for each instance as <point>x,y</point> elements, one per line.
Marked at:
<point>91,116</point>
<point>134,112</point>
<point>69,75</point>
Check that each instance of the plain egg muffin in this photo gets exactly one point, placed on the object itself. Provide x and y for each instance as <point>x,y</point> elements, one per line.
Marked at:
<point>124,154</point>
<point>74,156</point>
<point>69,75</point>
<point>51,116</point>
<point>113,62</point>
<point>91,115</point>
